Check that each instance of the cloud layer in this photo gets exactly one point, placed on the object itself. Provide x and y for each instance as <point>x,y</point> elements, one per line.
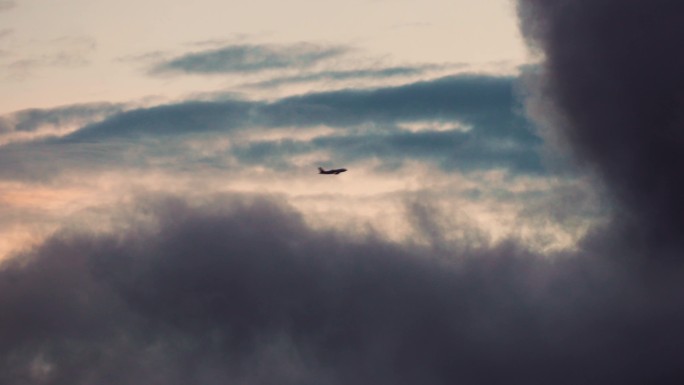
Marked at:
<point>241,290</point>
<point>460,122</point>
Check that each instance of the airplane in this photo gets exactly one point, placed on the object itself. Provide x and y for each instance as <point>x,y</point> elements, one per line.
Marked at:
<point>336,171</point>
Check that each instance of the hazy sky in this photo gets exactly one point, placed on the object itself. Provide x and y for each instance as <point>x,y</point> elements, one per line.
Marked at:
<point>511,215</point>
<point>418,98</point>
<point>80,51</point>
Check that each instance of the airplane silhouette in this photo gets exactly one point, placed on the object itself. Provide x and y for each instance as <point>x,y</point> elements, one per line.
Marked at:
<point>335,171</point>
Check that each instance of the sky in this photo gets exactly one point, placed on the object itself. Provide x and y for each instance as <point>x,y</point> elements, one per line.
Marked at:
<point>511,212</point>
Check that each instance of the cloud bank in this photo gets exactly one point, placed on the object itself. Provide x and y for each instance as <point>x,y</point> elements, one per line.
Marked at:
<point>239,289</point>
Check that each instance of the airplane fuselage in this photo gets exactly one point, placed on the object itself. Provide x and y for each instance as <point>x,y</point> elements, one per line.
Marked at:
<point>331,172</point>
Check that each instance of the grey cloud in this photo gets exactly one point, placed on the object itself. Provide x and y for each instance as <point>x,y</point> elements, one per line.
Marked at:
<point>6,5</point>
<point>451,150</point>
<point>499,138</point>
<point>488,102</point>
<point>33,119</point>
<point>42,161</point>
<point>248,58</point>
<point>241,290</point>
<point>26,158</point>
<point>64,52</point>
<point>331,75</point>
<point>613,71</point>
<point>478,99</point>
<point>182,119</point>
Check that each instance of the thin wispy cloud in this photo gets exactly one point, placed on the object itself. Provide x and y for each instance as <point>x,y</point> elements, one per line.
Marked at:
<point>6,5</point>
<point>31,124</point>
<point>21,62</point>
<point>352,74</point>
<point>247,58</point>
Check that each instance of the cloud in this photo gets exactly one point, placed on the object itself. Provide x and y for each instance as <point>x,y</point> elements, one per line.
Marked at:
<point>612,74</point>
<point>352,74</point>
<point>22,60</point>
<point>488,101</point>
<point>185,118</point>
<point>239,289</point>
<point>243,289</point>
<point>36,124</point>
<point>464,97</point>
<point>265,66</point>
<point>248,58</point>
<point>364,124</point>
<point>31,120</point>
<point>6,5</point>
<point>450,150</point>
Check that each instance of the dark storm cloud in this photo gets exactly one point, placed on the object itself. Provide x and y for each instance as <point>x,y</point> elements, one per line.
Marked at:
<point>248,58</point>
<point>241,290</point>
<point>613,69</point>
<point>367,123</point>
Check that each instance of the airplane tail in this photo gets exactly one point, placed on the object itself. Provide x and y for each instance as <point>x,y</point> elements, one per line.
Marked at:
<point>320,170</point>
